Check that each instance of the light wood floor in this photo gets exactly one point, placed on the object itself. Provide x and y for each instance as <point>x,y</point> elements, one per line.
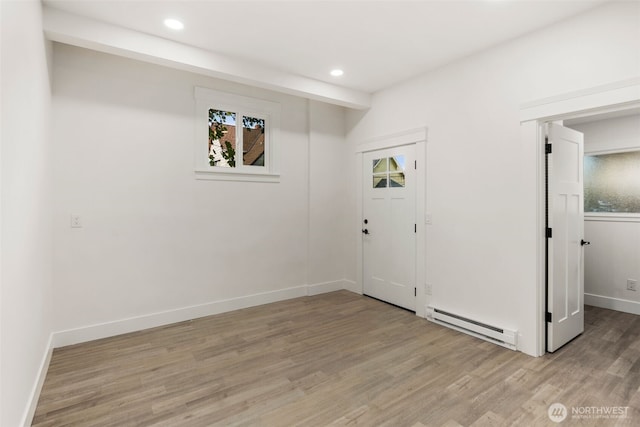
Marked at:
<point>336,359</point>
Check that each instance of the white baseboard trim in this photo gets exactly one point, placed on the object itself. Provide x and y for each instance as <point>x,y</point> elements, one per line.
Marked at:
<point>323,288</point>
<point>30,411</point>
<point>617,304</point>
<point>138,323</point>
<point>351,285</point>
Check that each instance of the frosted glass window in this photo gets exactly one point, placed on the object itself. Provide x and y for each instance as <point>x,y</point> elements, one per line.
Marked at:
<point>612,182</point>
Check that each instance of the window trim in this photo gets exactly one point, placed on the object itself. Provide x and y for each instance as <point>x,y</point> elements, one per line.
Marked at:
<point>241,105</point>
<point>612,216</point>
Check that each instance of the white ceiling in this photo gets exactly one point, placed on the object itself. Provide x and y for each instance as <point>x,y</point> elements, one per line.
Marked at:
<point>376,43</point>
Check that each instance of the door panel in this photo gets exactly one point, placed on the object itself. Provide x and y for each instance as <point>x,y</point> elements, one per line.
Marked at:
<point>389,207</point>
<point>565,252</point>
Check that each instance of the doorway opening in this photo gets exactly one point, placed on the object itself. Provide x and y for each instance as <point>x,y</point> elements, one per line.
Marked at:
<point>612,209</point>
<point>612,98</point>
<point>603,274</point>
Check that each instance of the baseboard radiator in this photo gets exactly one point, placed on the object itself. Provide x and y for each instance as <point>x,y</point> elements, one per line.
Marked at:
<point>504,337</point>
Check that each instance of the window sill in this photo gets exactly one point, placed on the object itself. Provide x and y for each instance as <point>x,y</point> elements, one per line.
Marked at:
<point>235,175</point>
<point>612,217</point>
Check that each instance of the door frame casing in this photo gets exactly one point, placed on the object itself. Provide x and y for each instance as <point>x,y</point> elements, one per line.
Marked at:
<point>417,137</point>
<point>533,117</point>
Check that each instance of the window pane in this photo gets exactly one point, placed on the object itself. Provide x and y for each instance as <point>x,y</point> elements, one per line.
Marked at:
<point>396,179</point>
<point>612,182</point>
<point>253,141</point>
<point>380,181</point>
<point>396,163</point>
<point>380,165</point>
<point>222,138</point>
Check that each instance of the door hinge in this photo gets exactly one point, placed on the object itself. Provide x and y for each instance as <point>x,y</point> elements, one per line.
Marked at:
<point>415,292</point>
<point>415,164</point>
<point>415,228</point>
<point>549,233</point>
<point>548,317</point>
<point>547,147</point>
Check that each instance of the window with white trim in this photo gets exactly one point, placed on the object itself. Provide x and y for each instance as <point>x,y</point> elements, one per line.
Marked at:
<point>236,137</point>
<point>612,183</point>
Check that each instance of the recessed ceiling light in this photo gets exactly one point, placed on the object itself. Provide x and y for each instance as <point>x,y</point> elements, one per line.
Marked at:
<point>336,73</point>
<point>174,24</point>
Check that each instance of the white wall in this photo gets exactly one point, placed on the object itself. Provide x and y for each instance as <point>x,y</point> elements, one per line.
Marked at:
<point>26,230</point>
<point>154,239</point>
<point>614,253</point>
<point>481,182</point>
<point>617,133</point>
<point>328,195</point>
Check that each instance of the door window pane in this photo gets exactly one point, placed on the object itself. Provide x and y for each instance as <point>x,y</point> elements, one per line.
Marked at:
<point>396,179</point>
<point>380,165</point>
<point>396,163</point>
<point>389,172</point>
<point>612,182</point>
<point>380,181</point>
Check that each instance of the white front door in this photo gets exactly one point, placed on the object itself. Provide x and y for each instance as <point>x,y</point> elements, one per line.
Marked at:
<point>565,252</point>
<point>389,225</point>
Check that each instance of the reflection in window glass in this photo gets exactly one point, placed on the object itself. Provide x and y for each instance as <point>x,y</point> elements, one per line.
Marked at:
<point>252,141</point>
<point>379,165</point>
<point>222,138</point>
<point>612,182</point>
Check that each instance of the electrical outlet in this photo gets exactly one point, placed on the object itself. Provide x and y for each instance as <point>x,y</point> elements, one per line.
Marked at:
<point>632,285</point>
<point>427,288</point>
<point>76,222</point>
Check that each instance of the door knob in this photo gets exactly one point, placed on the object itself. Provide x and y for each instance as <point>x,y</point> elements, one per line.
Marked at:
<point>365,231</point>
<point>584,242</point>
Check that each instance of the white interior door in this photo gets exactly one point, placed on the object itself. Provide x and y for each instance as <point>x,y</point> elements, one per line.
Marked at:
<point>565,265</point>
<point>389,225</point>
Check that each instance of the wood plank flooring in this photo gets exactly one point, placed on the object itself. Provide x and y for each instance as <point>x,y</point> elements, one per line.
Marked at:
<point>337,359</point>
